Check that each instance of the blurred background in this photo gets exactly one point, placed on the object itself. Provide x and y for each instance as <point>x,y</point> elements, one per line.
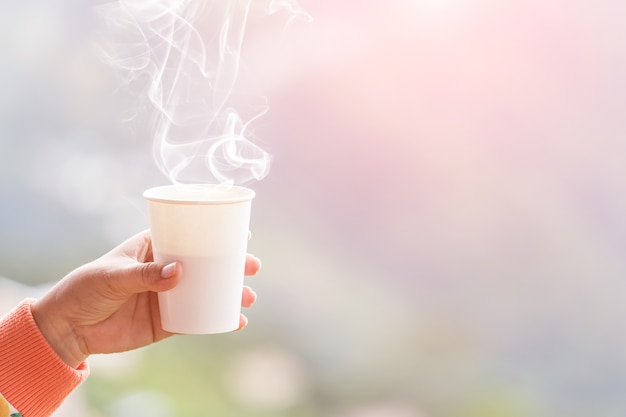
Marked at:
<point>442,230</point>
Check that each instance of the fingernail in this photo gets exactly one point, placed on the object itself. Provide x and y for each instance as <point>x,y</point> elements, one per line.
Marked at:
<point>168,271</point>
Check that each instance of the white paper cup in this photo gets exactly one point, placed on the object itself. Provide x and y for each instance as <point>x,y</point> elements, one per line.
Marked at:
<point>205,228</point>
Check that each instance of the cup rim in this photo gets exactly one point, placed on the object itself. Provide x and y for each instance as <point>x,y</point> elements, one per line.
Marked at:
<point>198,194</point>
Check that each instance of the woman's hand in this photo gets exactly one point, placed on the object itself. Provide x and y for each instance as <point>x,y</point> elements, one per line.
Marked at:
<point>110,305</point>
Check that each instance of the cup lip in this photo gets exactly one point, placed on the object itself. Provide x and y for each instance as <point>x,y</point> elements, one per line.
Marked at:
<point>218,194</point>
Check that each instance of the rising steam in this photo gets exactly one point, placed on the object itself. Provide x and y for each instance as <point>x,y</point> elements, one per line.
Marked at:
<point>185,56</point>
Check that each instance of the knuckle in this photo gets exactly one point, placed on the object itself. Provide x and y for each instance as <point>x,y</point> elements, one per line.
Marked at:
<point>145,272</point>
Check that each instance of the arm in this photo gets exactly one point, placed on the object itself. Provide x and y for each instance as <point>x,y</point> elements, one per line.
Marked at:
<point>33,378</point>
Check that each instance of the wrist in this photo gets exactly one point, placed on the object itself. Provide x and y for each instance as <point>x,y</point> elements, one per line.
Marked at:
<point>58,333</point>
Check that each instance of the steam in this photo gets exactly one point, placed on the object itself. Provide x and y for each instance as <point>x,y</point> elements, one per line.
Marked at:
<point>184,55</point>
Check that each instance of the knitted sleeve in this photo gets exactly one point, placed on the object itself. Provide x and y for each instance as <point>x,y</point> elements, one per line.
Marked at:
<point>33,379</point>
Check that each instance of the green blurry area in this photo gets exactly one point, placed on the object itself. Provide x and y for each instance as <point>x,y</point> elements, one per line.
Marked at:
<point>246,375</point>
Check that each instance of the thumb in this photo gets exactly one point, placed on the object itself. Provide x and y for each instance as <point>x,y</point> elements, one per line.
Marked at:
<point>143,277</point>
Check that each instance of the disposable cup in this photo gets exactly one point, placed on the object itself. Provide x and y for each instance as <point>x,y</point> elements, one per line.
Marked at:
<point>205,228</point>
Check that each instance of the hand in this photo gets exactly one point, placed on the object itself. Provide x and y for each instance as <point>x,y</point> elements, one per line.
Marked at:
<point>110,305</point>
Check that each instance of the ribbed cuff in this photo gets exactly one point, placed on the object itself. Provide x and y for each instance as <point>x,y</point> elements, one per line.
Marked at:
<point>32,376</point>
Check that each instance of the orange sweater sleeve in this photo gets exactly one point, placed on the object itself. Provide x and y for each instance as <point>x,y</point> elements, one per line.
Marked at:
<point>32,376</point>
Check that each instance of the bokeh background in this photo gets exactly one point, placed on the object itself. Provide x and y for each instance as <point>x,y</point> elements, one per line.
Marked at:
<point>442,231</point>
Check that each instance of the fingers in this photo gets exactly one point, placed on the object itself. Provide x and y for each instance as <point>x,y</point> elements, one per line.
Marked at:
<point>253,265</point>
<point>248,298</point>
<point>138,247</point>
<point>243,322</point>
<point>142,277</point>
